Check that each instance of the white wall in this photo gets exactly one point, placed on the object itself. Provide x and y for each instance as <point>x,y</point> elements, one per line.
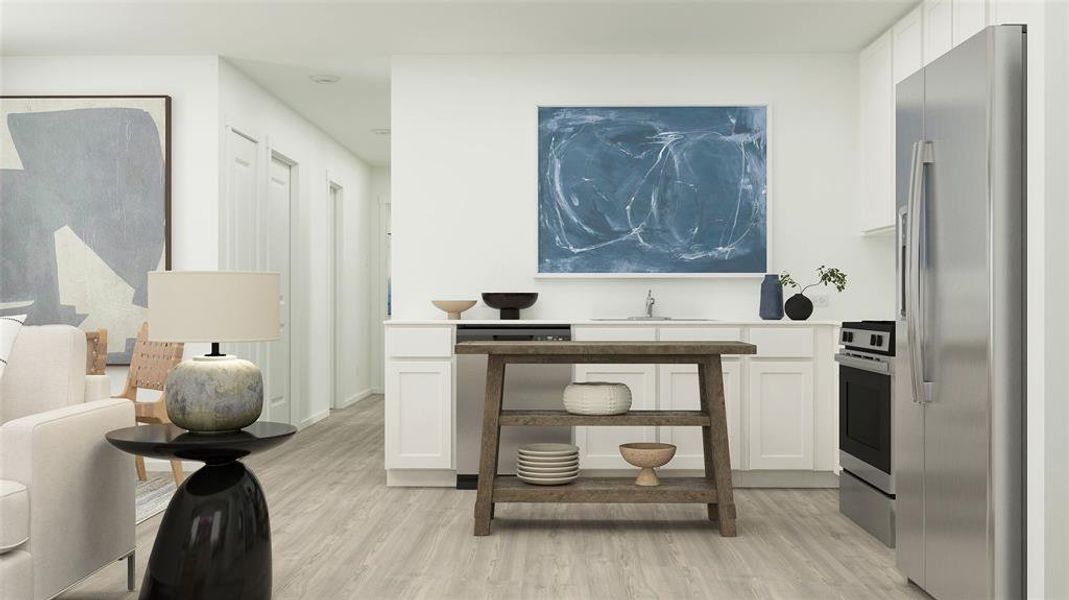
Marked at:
<point>464,161</point>
<point>252,110</point>
<point>1054,418</point>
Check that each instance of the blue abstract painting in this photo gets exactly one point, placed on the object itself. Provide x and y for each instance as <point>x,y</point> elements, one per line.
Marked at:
<point>671,190</point>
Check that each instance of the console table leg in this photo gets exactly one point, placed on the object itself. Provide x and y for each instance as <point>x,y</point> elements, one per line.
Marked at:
<point>495,391</point>
<point>715,443</point>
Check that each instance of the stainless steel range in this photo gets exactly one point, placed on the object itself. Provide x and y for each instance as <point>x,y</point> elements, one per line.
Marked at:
<point>867,482</point>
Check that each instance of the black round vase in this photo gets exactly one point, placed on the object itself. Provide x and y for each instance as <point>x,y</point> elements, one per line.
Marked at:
<point>798,307</point>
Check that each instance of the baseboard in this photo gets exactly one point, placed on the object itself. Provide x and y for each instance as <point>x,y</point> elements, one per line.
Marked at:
<point>312,420</point>
<point>421,478</point>
<point>377,390</point>
<point>158,464</point>
<point>357,397</point>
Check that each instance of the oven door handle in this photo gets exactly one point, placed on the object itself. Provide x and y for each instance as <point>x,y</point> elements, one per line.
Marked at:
<point>872,366</point>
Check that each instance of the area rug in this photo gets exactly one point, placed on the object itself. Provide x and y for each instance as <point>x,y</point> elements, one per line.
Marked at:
<point>153,494</point>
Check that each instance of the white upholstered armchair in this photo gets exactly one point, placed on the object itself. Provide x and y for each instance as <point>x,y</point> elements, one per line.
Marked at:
<point>66,495</point>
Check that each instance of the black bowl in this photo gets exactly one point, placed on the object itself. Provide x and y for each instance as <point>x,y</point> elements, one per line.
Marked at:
<point>510,303</point>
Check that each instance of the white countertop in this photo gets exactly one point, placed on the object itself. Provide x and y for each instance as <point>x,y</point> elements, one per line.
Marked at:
<point>665,323</point>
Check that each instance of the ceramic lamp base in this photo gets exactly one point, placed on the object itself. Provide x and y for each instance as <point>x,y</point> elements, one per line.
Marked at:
<point>212,394</point>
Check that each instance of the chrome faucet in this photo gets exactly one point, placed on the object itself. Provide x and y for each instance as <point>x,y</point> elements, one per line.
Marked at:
<point>650,301</point>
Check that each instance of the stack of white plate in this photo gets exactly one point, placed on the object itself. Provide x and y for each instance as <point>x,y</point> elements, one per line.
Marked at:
<point>548,464</point>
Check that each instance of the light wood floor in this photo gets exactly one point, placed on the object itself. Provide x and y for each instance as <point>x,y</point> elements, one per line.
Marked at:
<point>339,532</point>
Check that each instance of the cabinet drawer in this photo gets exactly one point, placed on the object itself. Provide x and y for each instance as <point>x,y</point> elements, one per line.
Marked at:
<point>614,334</point>
<point>419,342</point>
<point>782,342</point>
<point>700,334</point>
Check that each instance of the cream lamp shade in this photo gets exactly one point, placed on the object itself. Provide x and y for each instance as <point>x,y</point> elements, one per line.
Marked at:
<point>213,306</point>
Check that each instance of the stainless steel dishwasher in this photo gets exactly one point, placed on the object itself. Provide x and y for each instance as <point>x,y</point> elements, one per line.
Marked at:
<point>526,387</point>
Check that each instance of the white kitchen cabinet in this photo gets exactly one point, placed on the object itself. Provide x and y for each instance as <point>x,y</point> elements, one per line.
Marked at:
<point>780,414</point>
<point>599,447</point>
<point>781,403</point>
<point>938,28</point>
<point>419,414</point>
<point>678,390</point>
<point>969,17</point>
<point>876,128</point>
<point>908,44</point>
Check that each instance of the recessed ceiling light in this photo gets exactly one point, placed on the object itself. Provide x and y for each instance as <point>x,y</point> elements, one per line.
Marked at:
<point>381,131</point>
<point>324,78</point>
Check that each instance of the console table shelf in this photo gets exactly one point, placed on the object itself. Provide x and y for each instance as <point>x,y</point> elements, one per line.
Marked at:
<point>560,418</point>
<point>508,488</point>
<point>714,490</point>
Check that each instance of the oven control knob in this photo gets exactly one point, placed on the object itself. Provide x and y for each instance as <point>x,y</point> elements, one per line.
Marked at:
<point>848,336</point>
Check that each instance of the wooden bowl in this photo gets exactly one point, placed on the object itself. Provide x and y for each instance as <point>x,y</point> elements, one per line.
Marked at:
<point>647,456</point>
<point>453,308</point>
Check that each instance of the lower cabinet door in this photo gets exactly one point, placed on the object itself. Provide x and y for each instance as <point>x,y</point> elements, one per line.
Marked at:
<point>678,387</point>
<point>780,404</point>
<point>599,447</point>
<point>419,414</point>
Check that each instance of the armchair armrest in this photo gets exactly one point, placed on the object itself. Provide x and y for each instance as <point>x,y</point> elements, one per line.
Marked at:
<point>81,489</point>
<point>97,387</point>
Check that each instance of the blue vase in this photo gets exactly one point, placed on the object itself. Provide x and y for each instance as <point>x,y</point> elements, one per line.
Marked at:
<point>771,298</point>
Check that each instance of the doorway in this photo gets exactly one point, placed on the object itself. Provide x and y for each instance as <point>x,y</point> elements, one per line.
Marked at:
<point>336,286</point>
<point>278,210</point>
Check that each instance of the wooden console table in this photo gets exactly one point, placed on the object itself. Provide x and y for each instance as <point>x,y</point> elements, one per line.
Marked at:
<point>713,490</point>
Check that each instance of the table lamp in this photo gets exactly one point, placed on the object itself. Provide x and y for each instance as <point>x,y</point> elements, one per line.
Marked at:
<point>214,392</point>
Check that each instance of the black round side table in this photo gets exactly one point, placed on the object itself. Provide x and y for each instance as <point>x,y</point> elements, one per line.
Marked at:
<point>215,538</point>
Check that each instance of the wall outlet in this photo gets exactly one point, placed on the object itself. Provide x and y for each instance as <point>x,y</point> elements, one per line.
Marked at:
<point>821,300</point>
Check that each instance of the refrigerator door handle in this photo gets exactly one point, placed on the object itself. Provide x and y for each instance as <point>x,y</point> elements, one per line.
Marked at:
<point>915,321</point>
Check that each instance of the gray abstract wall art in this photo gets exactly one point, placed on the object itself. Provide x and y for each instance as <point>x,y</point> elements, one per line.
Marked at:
<point>652,190</point>
<point>84,203</point>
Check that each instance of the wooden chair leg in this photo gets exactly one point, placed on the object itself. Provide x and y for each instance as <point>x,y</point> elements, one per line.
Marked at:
<point>484,497</point>
<point>176,470</point>
<point>715,444</point>
<point>139,466</point>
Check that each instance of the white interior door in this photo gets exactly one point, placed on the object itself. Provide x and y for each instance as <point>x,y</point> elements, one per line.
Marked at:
<point>337,282</point>
<point>277,250</point>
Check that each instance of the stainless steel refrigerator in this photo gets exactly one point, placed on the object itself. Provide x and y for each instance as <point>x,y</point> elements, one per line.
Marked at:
<point>960,383</point>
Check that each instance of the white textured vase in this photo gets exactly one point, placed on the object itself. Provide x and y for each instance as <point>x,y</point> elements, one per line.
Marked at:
<point>597,398</point>
<point>213,394</point>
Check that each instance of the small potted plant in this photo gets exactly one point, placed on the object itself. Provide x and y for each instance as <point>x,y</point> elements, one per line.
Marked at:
<point>798,307</point>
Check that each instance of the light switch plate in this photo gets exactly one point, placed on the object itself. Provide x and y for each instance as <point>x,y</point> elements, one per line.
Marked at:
<point>821,300</point>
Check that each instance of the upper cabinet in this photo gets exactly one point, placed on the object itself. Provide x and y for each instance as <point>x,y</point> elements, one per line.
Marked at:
<point>876,130</point>
<point>938,28</point>
<point>908,40</point>
<point>969,17</point>
<point>927,32</point>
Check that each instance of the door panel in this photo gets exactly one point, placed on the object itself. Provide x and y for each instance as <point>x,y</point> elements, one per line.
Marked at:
<point>419,415</point>
<point>780,404</point>
<point>956,301</point>
<point>908,432</point>
<point>599,447</point>
<point>679,391</point>
<point>277,250</point>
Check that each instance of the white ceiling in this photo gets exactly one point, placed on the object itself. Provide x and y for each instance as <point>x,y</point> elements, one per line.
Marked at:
<point>279,44</point>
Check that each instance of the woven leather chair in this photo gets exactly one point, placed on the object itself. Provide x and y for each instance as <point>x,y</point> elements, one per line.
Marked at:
<point>150,364</point>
